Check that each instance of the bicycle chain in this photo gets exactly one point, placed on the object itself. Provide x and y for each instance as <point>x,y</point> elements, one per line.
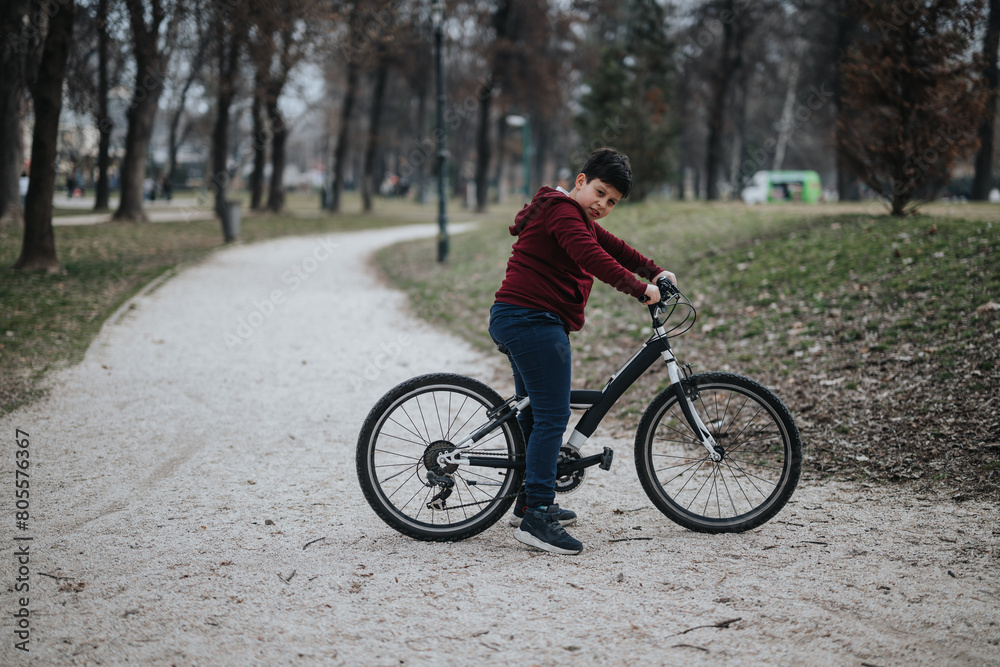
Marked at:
<point>481,502</point>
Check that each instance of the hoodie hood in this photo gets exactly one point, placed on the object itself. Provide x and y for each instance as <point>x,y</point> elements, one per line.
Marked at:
<point>545,198</point>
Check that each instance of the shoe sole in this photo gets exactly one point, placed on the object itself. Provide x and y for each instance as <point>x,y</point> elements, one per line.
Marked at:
<point>515,521</point>
<point>527,538</point>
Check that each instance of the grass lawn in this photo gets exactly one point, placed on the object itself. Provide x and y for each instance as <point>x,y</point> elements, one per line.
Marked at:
<point>876,331</point>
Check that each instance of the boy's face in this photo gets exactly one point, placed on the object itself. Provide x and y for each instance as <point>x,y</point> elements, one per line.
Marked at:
<point>597,198</point>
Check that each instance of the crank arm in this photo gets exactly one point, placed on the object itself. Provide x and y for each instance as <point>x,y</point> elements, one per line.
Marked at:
<point>603,459</point>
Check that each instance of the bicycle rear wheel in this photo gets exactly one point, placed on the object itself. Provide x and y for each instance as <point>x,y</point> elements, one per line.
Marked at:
<point>400,441</point>
<point>760,467</point>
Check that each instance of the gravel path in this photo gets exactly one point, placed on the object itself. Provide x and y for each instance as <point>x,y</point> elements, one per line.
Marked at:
<point>194,501</point>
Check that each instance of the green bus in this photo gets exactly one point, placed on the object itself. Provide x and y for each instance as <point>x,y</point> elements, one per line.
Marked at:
<point>801,186</point>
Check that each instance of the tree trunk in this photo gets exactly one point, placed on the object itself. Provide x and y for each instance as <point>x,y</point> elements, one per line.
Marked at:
<point>102,194</point>
<point>847,189</point>
<point>786,125</point>
<point>422,150</point>
<point>259,145</point>
<point>39,249</point>
<point>506,26</point>
<point>983,181</point>
<point>500,175</point>
<point>736,175</point>
<point>378,97</point>
<point>279,135</point>
<point>150,72</point>
<point>133,171</point>
<point>483,147</point>
<point>340,152</point>
<point>732,49</point>
<point>229,43</point>
<point>13,52</point>
<point>177,135</point>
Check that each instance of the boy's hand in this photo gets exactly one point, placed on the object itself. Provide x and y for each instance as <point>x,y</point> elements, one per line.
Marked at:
<point>652,295</point>
<point>670,276</point>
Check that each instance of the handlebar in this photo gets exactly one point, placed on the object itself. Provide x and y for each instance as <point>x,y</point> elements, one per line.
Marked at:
<point>671,299</point>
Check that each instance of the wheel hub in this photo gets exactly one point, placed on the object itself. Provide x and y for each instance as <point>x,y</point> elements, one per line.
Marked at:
<point>431,454</point>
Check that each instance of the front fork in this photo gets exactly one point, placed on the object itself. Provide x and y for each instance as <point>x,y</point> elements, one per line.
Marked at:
<point>687,407</point>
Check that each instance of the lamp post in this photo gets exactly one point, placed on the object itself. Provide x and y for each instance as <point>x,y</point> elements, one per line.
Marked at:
<point>524,123</point>
<point>437,17</point>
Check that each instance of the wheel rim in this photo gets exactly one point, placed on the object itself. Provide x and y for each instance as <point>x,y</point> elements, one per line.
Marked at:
<point>411,433</point>
<point>753,469</point>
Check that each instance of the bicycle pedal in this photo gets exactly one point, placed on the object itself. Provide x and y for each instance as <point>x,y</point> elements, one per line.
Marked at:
<point>606,458</point>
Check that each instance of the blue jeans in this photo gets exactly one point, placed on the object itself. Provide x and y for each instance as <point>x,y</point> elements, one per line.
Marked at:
<point>538,347</point>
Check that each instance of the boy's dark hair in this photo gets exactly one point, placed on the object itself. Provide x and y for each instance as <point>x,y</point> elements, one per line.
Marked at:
<point>611,167</point>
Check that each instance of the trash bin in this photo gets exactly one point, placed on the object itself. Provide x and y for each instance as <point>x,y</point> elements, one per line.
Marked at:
<point>231,221</point>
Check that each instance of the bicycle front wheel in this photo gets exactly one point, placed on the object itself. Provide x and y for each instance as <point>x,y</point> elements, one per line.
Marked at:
<point>406,431</point>
<point>761,455</point>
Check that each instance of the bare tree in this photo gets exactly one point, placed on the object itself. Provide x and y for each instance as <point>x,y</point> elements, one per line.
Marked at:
<point>154,31</point>
<point>505,24</point>
<point>913,99</point>
<point>38,251</point>
<point>230,30</point>
<point>416,41</point>
<point>380,76</point>
<point>847,26</point>
<point>180,123</point>
<point>382,26</point>
<point>352,52</point>
<point>282,37</point>
<point>259,51</point>
<point>20,39</point>
<point>102,192</point>
<point>735,26</point>
<point>516,36</point>
<point>97,57</point>
<point>983,181</point>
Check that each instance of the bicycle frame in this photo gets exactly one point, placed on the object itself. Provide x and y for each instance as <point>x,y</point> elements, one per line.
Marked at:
<point>596,403</point>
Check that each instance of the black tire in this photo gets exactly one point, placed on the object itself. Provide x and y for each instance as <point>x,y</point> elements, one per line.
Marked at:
<point>407,428</point>
<point>761,463</point>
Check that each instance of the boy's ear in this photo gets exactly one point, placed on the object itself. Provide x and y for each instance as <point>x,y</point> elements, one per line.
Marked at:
<point>581,180</point>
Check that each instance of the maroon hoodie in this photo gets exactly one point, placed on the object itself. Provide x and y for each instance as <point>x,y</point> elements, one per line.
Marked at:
<point>558,253</point>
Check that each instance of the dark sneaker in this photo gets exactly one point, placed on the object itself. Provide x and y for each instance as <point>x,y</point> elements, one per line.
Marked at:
<point>565,517</point>
<point>542,530</point>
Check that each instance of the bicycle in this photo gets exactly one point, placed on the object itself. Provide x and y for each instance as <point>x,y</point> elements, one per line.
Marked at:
<point>440,457</point>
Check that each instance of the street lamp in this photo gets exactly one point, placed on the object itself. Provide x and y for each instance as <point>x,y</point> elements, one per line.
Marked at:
<point>524,123</point>
<point>437,18</point>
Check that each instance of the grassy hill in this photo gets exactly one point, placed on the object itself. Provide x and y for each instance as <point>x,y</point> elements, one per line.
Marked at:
<point>877,332</point>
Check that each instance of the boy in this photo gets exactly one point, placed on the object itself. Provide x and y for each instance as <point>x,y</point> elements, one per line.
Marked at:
<point>559,250</point>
